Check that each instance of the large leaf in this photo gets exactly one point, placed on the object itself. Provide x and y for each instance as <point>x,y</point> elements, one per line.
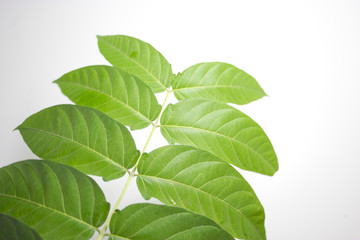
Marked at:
<point>194,179</point>
<point>138,58</point>
<point>82,137</point>
<point>56,200</point>
<point>218,81</point>
<point>13,229</point>
<point>159,222</point>
<point>222,130</point>
<point>113,91</point>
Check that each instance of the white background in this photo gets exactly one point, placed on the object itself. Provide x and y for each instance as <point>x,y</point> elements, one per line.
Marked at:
<point>305,54</point>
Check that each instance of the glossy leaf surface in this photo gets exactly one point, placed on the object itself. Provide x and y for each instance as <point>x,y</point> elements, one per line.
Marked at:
<point>13,229</point>
<point>196,180</point>
<point>160,222</point>
<point>56,200</point>
<point>222,130</point>
<point>112,91</point>
<point>138,58</point>
<point>81,137</point>
<point>217,81</point>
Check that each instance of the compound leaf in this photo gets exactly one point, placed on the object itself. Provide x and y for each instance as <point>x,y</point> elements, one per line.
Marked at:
<point>82,137</point>
<point>56,200</point>
<point>160,222</point>
<point>222,130</point>
<point>13,229</point>
<point>217,81</point>
<point>138,58</point>
<point>198,181</point>
<point>112,91</point>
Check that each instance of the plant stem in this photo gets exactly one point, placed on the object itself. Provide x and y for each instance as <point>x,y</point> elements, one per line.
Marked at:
<point>155,125</point>
<point>132,173</point>
<point>107,222</point>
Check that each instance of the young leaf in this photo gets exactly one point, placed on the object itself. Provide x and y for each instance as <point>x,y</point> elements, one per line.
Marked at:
<point>112,91</point>
<point>196,180</point>
<point>138,58</point>
<point>56,200</point>
<point>159,222</point>
<point>217,81</point>
<point>13,229</point>
<point>81,137</point>
<point>222,130</point>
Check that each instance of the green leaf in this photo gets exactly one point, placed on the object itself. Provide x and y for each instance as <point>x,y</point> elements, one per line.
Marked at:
<point>217,81</point>
<point>159,222</point>
<point>138,58</point>
<point>13,229</point>
<point>196,180</point>
<point>222,130</point>
<point>56,200</point>
<point>82,137</point>
<point>112,91</point>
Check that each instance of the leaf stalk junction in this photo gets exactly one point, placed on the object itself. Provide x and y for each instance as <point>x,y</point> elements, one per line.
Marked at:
<point>132,173</point>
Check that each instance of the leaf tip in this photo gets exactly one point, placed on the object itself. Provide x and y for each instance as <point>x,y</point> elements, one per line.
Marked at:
<point>100,39</point>
<point>56,81</point>
<point>18,128</point>
<point>275,168</point>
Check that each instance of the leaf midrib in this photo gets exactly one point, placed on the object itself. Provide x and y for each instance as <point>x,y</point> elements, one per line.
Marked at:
<point>213,86</point>
<point>132,60</point>
<point>117,236</point>
<point>48,208</point>
<point>78,143</point>
<point>222,135</point>
<point>115,99</point>
<point>199,190</point>
<point>149,224</point>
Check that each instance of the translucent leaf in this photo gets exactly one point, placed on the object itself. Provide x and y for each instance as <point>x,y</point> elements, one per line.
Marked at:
<point>159,222</point>
<point>222,130</point>
<point>138,58</point>
<point>56,200</point>
<point>112,91</point>
<point>198,181</point>
<point>81,137</point>
<point>217,81</point>
<point>13,229</point>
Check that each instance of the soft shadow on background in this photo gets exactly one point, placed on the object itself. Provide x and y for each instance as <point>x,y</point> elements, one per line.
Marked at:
<point>305,54</point>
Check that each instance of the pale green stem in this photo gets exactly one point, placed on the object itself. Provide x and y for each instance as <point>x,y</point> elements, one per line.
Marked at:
<point>107,223</point>
<point>132,173</point>
<point>155,125</point>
